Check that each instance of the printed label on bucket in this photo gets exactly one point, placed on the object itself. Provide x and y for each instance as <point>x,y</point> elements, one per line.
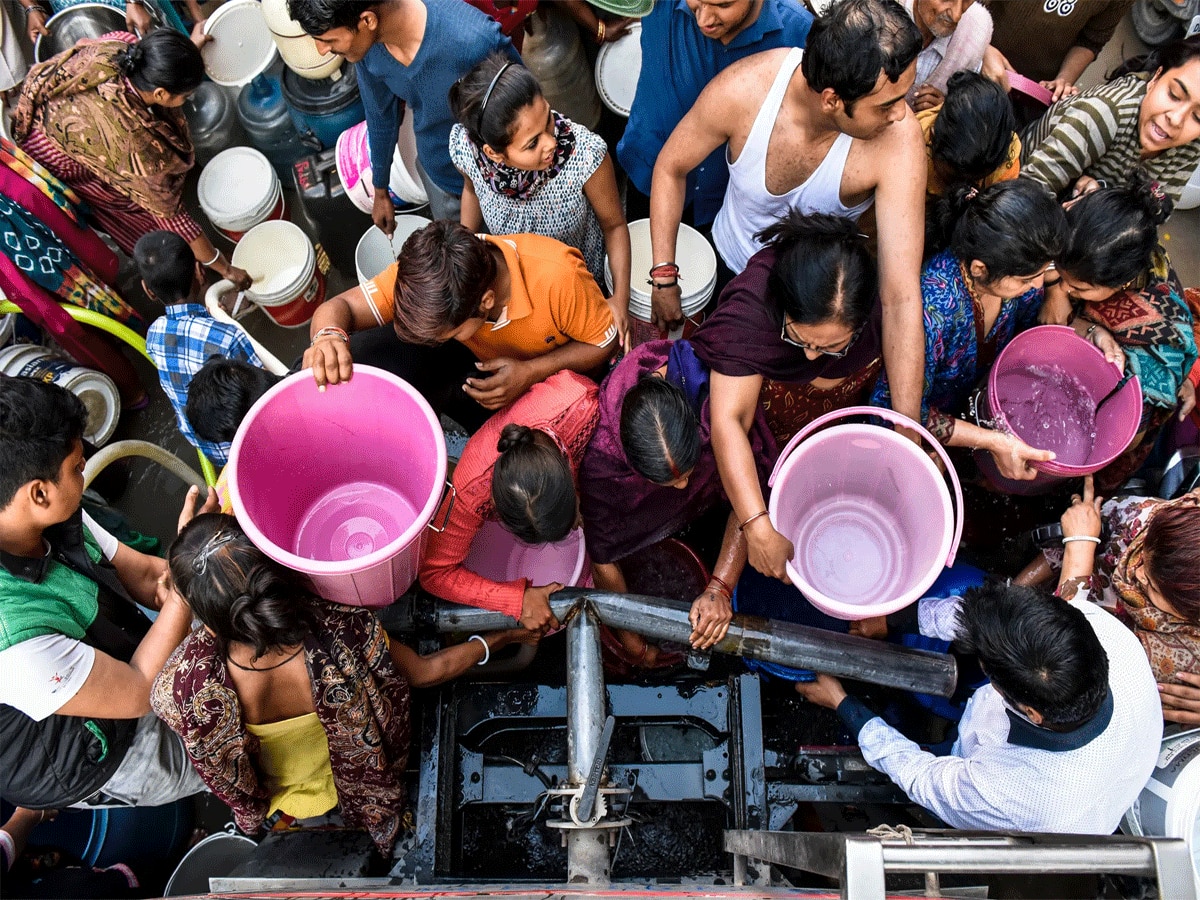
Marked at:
<point>45,370</point>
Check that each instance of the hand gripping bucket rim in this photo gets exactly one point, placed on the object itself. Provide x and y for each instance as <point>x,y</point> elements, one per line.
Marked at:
<point>413,532</point>
<point>1078,344</point>
<point>614,68</point>
<point>951,502</point>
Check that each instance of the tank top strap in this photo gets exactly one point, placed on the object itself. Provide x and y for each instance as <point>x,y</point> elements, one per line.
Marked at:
<point>754,152</point>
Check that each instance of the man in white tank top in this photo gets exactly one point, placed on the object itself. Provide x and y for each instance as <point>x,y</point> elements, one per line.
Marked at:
<point>824,129</point>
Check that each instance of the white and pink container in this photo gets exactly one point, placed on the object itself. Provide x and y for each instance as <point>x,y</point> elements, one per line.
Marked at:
<point>341,484</point>
<point>353,156</point>
<point>869,513</point>
<point>287,283</point>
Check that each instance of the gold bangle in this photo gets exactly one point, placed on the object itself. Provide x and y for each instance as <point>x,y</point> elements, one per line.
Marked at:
<point>600,30</point>
<point>757,515</point>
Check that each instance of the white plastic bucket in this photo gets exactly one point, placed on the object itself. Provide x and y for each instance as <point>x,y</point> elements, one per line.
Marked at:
<point>299,51</point>
<point>239,189</point>
<point>1169,805</point>
<point>242,46</point>
<point>618,66</point>
<point>283,265</point>
<point>8,324</point>
<point>96,390</point>
<point>375,252</point>
<point>697,263</point>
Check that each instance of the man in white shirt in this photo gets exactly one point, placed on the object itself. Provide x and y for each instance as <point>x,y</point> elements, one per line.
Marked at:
<point>77,657</point>
<point>1064,737</point>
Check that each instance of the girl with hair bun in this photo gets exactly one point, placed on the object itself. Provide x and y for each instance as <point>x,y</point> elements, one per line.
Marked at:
<point>979,292</point>
<point>288,705</point>
<point>520,469</point>
<point>1126,298</point>
<point>528,170</point>
<point>104,117</point>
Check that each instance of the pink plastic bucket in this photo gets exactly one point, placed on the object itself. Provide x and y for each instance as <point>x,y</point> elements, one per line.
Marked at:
<point>499,555</point>
<point>869,513</point>
<point>1044,388</point>
<point>341,485</point>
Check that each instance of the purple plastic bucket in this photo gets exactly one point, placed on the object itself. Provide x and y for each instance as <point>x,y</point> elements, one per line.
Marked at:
<point>1044,387</point>
<point>340,485</point>
<point>499,555</point>
<point>869,514</point>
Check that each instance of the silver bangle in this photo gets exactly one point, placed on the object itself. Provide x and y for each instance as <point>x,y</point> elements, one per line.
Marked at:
<point>1080,537</point>
<point>487,651</point>
<point>213,260</point>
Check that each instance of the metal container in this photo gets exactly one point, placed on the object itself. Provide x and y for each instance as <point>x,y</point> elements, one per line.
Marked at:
<point>212,120</point>
<point>553,52</point>
<point>75,24</point>
<point>214,857</point>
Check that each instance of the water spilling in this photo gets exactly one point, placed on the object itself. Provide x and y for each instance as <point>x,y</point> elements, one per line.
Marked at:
<point>1052,411</point>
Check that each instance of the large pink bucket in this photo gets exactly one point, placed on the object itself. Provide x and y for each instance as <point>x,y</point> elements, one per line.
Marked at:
<point>341,484</point>
<point>869,513</point>
<point>498,554</point>
<point>1044,388</point>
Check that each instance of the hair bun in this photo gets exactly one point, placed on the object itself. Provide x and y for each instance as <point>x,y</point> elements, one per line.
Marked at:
<point>1149,195</point>
<point>514,436</point>
<point>130,59</point>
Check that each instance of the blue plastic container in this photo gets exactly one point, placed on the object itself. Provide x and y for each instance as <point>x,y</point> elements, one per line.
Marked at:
<point>264,115</point>
<point>104,837</point>
<point>323,108</point>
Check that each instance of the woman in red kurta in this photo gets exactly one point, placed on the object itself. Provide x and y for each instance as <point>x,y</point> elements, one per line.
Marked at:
<point>563,411</point>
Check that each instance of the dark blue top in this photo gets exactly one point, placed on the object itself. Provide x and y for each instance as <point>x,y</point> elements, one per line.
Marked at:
<point>457,38</point>
<point>678,61</point>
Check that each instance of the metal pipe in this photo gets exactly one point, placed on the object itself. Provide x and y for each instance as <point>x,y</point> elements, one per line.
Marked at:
<point>588,858</point>
<point>798,646</point>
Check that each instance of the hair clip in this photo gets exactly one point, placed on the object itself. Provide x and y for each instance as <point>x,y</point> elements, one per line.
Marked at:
<point>211,546</point>
<point>1157,192</point>
<point>971,193</point>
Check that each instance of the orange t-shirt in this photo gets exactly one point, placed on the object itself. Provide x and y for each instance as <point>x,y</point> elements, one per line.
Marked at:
<point>553,300</point>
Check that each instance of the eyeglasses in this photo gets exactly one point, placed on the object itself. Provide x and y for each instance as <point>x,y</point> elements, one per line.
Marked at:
<point>832,354</point>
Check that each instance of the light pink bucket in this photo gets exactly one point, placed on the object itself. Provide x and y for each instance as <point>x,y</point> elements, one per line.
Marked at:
<point>869,513</point>
<point>499,555</point>
<point>340,485</point>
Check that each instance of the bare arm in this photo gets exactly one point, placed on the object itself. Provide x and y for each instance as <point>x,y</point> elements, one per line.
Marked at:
<point>702,130</point>
<point>900,215</point>
<point>733,403</point>
<point>330,357</point>
<point>451,662</point>
<point>712,611</point>
<point>471,215</point>
<point>604,196</point>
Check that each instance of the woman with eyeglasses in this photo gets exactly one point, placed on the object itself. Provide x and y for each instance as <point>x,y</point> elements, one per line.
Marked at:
<point>982,289</point>
<point>797,333</point>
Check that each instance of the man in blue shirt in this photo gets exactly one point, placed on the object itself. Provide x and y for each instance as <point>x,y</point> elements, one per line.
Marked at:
<point>183,339</point>
<point>685,43</point>
<point>407,53</point>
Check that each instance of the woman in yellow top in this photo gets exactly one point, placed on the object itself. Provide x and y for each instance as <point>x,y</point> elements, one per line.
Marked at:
<point>971,138</point>
<point>289,705</point>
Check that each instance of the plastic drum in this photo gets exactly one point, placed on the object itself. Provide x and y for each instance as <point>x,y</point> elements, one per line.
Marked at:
<point>618,66</point>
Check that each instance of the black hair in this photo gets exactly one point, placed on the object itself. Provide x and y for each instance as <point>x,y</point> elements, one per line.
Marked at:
<point>823,270</point>
<point>167,265</point>
<point>40,426</point>
<point>853,42</point>
<point>533,488</point>
<point>974,129</point>
<point>163,59</point>
<point>1038,651</point>
<point>319,16</point>
<point>513,87</point>
<point>659,431</point>
<point>239,593</point>
<point>1168,56</point>
<point>442,273</point>
<point>1013,227</point>
<point>1112,232</point>
<point>220,395</point>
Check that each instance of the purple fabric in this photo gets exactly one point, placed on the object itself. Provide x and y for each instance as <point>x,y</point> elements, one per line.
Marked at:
<point>742,337</point>
<point>622,511</point>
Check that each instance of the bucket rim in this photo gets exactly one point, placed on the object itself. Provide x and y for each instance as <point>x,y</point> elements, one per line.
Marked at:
<point>349,566</point>
<point>837,608</point>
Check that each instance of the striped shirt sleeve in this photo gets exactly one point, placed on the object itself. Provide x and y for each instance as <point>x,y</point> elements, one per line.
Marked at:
<point>1077,132</point>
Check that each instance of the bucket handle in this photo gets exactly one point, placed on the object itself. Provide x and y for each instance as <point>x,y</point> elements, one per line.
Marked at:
<point>449,509</point>
<point>896,419</point>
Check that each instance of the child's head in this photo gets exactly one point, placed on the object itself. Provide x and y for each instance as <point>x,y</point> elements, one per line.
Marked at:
<point>973,132</point>
<point>168,267</point>
<point>41,451</point>
<point>500,103</point>
<point>221,394</point>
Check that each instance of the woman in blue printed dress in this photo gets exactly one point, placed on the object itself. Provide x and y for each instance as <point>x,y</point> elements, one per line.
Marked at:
<point>528,170</point>
<point>979,292</point>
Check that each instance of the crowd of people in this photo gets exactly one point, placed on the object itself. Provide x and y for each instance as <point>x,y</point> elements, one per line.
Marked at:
<point>886,221</point>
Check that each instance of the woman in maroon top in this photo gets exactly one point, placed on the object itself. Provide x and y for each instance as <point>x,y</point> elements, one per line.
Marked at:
<point>798,333</point>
